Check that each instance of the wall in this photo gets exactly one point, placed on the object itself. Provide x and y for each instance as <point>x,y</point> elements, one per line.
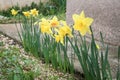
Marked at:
<point>5,4</point>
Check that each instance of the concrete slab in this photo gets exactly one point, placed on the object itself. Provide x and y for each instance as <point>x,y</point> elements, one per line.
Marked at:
<point>106,15</point>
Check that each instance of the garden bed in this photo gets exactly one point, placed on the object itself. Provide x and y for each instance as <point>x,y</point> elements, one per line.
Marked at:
<point>15,60</point>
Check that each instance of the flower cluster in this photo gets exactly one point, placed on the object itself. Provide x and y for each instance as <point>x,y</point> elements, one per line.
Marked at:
<point>57,28</point>
<point>32,12</point>
<point>81,24</point>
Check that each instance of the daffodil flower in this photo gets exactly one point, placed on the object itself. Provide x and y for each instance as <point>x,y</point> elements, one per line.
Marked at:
<point>14,12</point>
<point>59,38</point>
<point>27,13</point>
<point>65,30</point>
<point>45,26</point>
<point>62,31</point>
<point>34,12</point>
<point>54,22</point>
<point>82,23</point>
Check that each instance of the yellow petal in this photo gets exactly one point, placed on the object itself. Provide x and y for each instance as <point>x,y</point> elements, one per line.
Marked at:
<point>88,21</point>
<point>59,38</point>
<point>83,31</point>
<point>82,14</point>
<point>75,17</point>
<point>55,18</point>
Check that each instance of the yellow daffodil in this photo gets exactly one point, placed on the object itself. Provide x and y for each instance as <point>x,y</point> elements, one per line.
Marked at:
<point>14,12</point>
<point>65,30</point>
<point>54,22</point>
<point>45,26</point>
<point>34,12</point>
<point>59,38</point>
<point>82,23</point>
<point>27,13</point>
